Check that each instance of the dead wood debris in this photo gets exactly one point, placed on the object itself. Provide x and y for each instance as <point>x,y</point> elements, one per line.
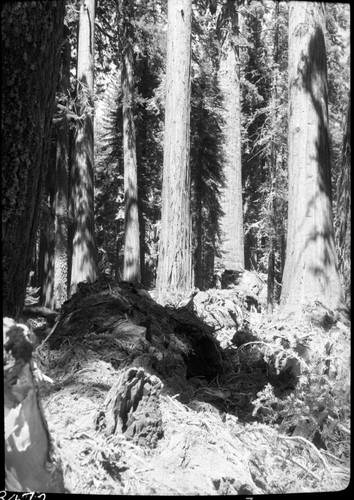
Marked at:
<point>120,313</point>
<point>132,407</point>
<point>158,400</point>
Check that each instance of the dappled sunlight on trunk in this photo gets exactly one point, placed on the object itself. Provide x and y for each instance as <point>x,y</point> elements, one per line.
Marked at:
<point>83,266</point>
<point>174,272</point>
<point>83,261</point>
<point>311,264</point>
<point>131,271</point>
<point>232,246</point>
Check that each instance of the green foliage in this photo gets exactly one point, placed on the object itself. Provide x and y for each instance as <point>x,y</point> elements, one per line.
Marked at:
<point>206,174</point>
<point>109,197</point>
<point>205,153</point>
<point>206,159</point>
<point>319,406</point>
<point>343,212</point>
<point>109,194</point>
<point>255,89</point>
<point>261,42</point>
<point>338,70</point>
<point>264,138</point>
<point>106,43</point>
<point>338,61</point>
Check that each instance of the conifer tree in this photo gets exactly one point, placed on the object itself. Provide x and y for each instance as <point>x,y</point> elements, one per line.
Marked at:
<point>148,59</point>
<point>232,246</point>
<point>60,293</point>
<point>32,35</point>
<point>82,238</point>
<point>47,231</point>
<point>207,174</point>
<point>256,75</point>
<point>344,210</point>
<point>174,272</point>
<point>310,272</point>
<point>53,245</point>
<point>131,270</point>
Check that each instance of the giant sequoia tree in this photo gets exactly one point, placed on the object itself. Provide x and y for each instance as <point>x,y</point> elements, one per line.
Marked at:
<point>82,239</point>
<point>229,80</point>
<point>31,43</point>
<point>131,271</point>
<point>310,269</point>
<point>53,247</point>
<point>174,272</point>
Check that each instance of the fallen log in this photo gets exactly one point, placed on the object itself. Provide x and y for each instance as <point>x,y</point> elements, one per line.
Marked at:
<point>127,312</point>
<point>44,312</point>
<point>30,460</point>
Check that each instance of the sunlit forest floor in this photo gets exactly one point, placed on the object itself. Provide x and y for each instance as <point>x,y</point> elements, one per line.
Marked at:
<point>208,395</point>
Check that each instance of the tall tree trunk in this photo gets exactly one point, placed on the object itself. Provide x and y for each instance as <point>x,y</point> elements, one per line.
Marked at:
<point>198,254</point>
<point>47,233</point>
<point>174,271</point>
<point>131,270</point>
<point>344,210</point>
<point>311,269</point>
<point>53,236</point>
<point>232,246</point>
<point>272,226</point>
<point>31,41</point>
<point>43,258</point>
<point>61,188</point>
<point>273,171</point>
<point>141,138</point>
<point>83,261</point>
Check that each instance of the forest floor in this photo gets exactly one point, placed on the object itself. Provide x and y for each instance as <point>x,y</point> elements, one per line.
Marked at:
<point>206,396</point>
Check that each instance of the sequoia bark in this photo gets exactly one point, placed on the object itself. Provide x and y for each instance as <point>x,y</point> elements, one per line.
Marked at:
<point>83,261</point>
<point>131,269</point>
<point>310,272</point>
<point>31,41</point>
<point>232,246</point>
<point>174,272</point>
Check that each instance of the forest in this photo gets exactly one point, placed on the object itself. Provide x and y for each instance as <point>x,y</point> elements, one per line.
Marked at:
<point>176,256</point>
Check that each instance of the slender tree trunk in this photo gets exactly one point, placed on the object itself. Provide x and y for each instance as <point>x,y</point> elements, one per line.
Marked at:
<point>61,189</point>
<point>47,293</point>
<point>53,248</point>
<point>46,253</point>
<point>232,246</point>
<point>311,269</point>
<point>33,281</point>
<point>31,42</point>
<point>271,276</point>
<point>344,210</point>
<point>43,261</point>
<point>141,205</point>
<point>174,272</point>
<point>282,234</point>
<point>197,209</point>
<point>83,261</point>
<point>273,171</point>
<point>198,254</point>
<point>272,233</point>
<point>131,271</point>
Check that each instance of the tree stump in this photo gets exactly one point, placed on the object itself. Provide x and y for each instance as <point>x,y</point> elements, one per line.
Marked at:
<point>29,455</point>
<point>132,407</point>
